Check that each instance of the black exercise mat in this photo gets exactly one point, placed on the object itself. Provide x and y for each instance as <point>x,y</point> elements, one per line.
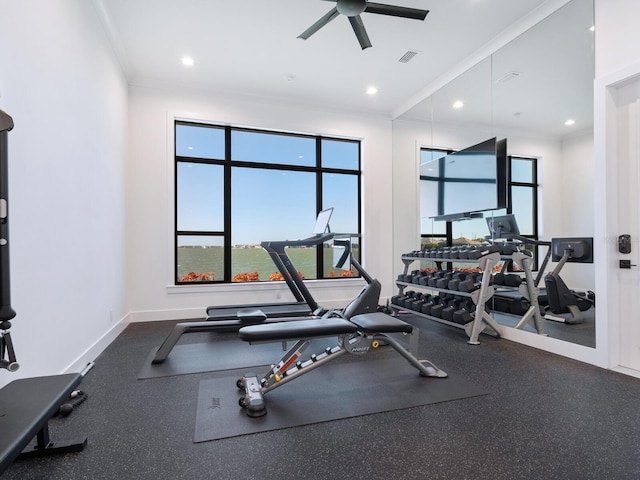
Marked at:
<point>340,389</point>
<point>215,356</point>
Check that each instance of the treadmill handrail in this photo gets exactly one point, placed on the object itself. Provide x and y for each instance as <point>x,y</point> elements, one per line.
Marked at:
<point>308,242</point>
<point>276,250</point>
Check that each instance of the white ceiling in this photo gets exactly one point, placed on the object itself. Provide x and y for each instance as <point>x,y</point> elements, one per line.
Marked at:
<point>250,47</point>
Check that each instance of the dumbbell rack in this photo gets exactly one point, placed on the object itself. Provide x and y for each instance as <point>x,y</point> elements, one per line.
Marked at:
<point>481,318</point>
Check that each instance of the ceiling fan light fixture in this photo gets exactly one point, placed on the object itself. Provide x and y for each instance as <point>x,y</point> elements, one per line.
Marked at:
<point>351,8</point>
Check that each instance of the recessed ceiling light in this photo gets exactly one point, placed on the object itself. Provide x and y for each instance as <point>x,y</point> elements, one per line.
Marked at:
<point>458,104</point>
<point>570,122</point>
<point>592,28</point>
<point>187,61</point>
<point>372,91</point>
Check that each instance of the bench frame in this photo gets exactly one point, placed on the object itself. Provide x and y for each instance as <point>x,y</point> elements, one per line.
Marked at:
<point>356,337</point>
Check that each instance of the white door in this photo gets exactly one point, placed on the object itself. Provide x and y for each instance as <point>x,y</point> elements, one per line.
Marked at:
<point>628,159</point>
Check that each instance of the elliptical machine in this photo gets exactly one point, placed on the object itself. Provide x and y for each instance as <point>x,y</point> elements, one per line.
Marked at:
<point>562,300</point>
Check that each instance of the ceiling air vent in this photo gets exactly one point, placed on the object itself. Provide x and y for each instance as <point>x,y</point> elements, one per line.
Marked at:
<point>508,77</point>
<point>409,54</point>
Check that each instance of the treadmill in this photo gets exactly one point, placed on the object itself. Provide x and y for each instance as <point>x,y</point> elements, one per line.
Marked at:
<point>233,317</point>
<point>305,304</point>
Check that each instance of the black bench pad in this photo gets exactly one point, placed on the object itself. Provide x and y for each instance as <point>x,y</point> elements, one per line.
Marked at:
<point>379,322</point>
<point>26,405</point>
<point>297,329</point>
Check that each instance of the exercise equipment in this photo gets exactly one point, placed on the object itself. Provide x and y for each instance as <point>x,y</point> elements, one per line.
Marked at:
<point>356,336</point>
<point>26,404</point>
<point>366,301</point>
<point>7,353</point>
<point>562,300</point>
<point>305,304</point>
<point>474,284</point>
<point>232,317</point>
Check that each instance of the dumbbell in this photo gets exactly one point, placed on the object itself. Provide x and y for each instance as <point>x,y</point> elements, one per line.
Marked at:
<point>470,283</point>
<point>417,303</point>
<point>501,304</point>
<point>426,307</point>
<point>463,316</point>
<point>519,306</point>
<point>436,310</point>
<point>417,275</point>
<point>444,281</point>
<point>456,278</point>
<point>447,312</point>
<point>434,277</point>
<point>482,250</point>
<point>407,299</point>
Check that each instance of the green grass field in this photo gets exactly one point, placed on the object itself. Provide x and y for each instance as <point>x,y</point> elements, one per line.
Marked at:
<point>247,260</point>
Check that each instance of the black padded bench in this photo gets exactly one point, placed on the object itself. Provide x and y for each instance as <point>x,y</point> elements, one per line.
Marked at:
<point>26,405</point>
<point>355,336</point>
<point>296,329</point>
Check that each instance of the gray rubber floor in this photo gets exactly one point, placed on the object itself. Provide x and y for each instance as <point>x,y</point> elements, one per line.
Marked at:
<point>546,417</point>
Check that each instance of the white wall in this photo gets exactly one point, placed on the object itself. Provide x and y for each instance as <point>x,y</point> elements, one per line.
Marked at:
<point>150,199</point>
<point>575,205</point>
<point>61,84</point>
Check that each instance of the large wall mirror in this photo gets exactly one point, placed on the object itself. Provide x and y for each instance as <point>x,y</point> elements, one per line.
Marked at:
<point>537,92</point>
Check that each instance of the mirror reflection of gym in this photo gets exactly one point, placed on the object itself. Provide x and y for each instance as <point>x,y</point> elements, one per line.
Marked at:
<point>525,92</point>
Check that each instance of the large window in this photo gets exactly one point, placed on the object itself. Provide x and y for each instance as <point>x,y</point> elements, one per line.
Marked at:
<point>522,201</point>
<point>236,187</point>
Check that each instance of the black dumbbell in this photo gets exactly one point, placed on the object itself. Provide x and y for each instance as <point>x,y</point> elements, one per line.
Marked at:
<point>426,307</point>
<point>512,280</point>
<point>462,316</point>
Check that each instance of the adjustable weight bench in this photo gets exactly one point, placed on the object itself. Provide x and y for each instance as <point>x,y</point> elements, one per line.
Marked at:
<point>355,336</point>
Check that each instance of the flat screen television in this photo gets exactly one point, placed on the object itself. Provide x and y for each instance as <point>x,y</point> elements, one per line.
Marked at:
<point>463,183</point>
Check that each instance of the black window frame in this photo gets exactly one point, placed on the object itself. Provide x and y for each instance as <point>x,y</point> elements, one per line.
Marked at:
<point>228,164</point>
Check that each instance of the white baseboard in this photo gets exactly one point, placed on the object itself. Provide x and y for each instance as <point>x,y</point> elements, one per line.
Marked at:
<point>91,353</point>
<point>160,315</point>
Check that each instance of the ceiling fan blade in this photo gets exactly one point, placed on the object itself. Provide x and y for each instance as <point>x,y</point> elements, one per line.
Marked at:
<point>333,13</point>
<point>359,30</point>
<point>395,11</point>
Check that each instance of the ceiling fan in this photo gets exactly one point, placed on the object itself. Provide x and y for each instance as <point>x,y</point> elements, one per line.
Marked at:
<point>353,9</point>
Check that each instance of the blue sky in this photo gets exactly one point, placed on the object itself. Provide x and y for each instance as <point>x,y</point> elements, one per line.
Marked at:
<point>266,204</point>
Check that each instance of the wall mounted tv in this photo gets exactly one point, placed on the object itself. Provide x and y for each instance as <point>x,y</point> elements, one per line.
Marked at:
<point>462,184</point>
